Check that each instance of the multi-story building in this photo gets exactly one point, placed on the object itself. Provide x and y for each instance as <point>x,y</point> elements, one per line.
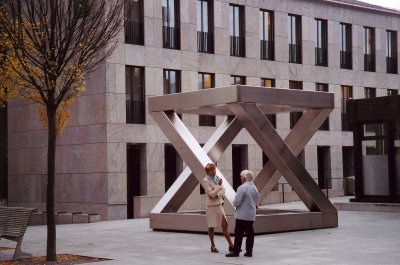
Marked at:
<point>112,159</point>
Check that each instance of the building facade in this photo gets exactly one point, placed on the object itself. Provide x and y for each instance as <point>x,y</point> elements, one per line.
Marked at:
<point>113,160</point>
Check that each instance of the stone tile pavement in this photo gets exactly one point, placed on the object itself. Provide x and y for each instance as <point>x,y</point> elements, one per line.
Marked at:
<point>361,238</point>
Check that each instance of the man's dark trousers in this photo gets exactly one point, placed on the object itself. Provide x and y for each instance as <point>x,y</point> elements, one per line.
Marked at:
<point>241,227</point>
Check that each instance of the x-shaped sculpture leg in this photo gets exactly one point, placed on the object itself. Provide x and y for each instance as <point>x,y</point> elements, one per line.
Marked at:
<point>281,156</point>
<point>296,140</point>
<point>188,148</point>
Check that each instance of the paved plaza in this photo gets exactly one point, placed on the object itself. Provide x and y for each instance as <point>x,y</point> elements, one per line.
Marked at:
<point>361,238</point>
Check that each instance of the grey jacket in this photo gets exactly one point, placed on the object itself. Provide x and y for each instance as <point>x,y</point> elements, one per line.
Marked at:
<point>246,201</point>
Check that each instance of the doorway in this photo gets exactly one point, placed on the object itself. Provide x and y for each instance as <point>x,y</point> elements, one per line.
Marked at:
<point>135,175</point>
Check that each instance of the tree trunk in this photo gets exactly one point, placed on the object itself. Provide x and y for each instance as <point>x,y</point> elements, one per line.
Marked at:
<point>51,166</point>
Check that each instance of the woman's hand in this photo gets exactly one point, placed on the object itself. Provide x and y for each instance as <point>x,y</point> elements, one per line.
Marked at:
<point>219,181</point>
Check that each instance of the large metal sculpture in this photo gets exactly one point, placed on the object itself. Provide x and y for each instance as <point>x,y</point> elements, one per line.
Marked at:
<point>245,107</point>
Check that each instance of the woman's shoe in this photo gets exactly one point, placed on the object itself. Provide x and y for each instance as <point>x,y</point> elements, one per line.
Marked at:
<point>215,250</point>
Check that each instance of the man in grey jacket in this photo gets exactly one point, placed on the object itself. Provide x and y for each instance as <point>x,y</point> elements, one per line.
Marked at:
<point>246,203</point>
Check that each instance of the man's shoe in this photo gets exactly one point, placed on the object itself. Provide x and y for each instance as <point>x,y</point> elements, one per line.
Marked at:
<point>248,254</point>
<point>232,254</point>
<point>231,249</point>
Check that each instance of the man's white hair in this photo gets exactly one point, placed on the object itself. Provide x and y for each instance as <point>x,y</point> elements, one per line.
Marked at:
<point>247,174</point>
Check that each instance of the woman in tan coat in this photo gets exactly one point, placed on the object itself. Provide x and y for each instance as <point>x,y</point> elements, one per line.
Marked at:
<point>214,210</point>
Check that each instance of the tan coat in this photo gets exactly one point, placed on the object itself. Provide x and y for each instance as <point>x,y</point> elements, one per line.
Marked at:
<point>215,195</point>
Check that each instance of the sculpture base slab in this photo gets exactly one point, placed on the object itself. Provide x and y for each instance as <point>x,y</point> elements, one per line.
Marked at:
<point>267,221</point>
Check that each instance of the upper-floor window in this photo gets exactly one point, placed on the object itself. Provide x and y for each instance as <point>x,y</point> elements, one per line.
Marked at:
<point>321,42</point>
<point>369,49</point>
<point>295,116</point>
<point>370,92</point>
<point>170,17</point>
<point>346,93</point>
<point>345,46</point>
<point>172,81</point>
<point>294,38</point>
<point>323,88</point>
<point>238,80</point>
<point>205,35</point>
<point>267,82</point>
<point>392,92</point>
<point>134,33</point>
<point>135,95</point>
<point>206,81</point>
<point>267,34</point>
<point>236,30</point>
<point>391,52</point>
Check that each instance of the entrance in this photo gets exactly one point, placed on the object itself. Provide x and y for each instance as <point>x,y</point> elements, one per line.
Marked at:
<point>134,157</point>
<point>239,163</point>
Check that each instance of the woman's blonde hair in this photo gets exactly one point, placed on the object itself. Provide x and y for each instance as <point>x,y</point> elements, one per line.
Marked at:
<point>209,166</point>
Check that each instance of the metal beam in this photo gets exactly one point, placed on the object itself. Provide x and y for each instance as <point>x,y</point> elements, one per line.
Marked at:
<point>187,182</point>
<point>281,156</point>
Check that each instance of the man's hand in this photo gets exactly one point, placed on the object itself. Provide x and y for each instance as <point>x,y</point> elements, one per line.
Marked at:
<point>220,182</point>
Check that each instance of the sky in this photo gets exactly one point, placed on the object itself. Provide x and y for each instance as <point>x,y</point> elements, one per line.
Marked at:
<point>385,3</point>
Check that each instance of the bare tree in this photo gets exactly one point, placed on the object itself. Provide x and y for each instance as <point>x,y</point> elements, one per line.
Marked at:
<point>55,45</point>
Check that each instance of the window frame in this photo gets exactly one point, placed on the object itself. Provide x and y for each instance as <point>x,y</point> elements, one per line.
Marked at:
<point>134,30</point>
<point>205,39</point>
<point>346,46</point>
<point>131,104</point>
<point>321,42</point>
<point>237,41</point>
<point>267,46</point>
<point>171,34</point>
<point>391,52</point>
<point>295,38</point>
<point>369,49</point>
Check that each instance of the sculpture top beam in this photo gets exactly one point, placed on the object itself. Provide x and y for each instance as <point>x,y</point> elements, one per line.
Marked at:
<point>215,101</point>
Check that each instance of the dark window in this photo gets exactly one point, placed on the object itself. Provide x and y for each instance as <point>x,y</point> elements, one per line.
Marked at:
<point>136,175</point>
<point>3,152</point>
<point>370,92</point>
<point>205,34</point>
<point>134,33</point>
<point>172,81</point>
<point>324,167</point>
<point>346,94</point>
<point>369,49</point>
<point>238,80</point>
<point>323,88</point>
<point>239,163</point>
<point>321,42</point>
<point>294,38</point>
<point>269,83</point>
<point>391,52</point>
<point>206,81</point>
<point>295,116</point>
<point>345,46</point>
<point>173,165</point>
<point>392,92</point>
<point>170,16</point>
<point>267,35</point>
<point>135,95</point>
<point>236,30</point>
